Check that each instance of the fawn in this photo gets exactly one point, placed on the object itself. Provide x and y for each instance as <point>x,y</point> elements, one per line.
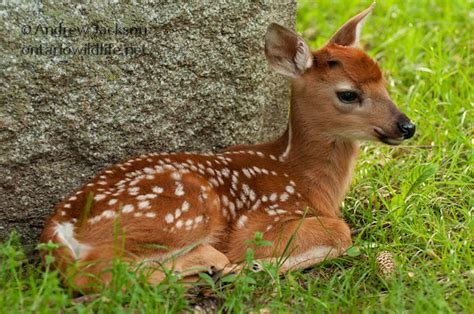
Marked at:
<point>191,213</point>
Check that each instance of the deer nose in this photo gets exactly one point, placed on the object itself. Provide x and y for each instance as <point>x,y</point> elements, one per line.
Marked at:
<point>407,129</point>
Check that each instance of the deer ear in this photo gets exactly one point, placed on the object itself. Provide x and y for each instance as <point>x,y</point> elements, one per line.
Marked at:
<point>287,53</point>
<point>349,33</point>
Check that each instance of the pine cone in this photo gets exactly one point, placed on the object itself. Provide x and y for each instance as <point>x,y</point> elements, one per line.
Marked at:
<point>385,263</point>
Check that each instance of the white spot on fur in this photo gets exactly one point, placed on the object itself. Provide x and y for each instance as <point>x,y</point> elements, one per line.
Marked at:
<point>273,197</point>
<point>148,170</point>
<point>225,200</point>
<point>284,197</point>
<point>95,219</point>
<point>252,195</point>
<point>67,205</point>
<point>134,190</point>
<point>179,189</point>
<point>169,218</point>
<point>225,172</point>
<point>256,205</point>
<point>214,182</point>
<point>245,189</point>
<point>128,208</point>
<point>179,224</point>
<point>185,206</point>
<point>176,176</point>
<point>112,201</point>
<point>271,212</point>
<point>232,209</point>
<point>157,189</point>
<point>198,219</point>
<point>290,189</point>
<point>235,178</point>
<point>144,204</point>
<point>246,173</point>
<point>146,197</point>
<point>242,221</point>
<point>109,214</point>
<point>150,215</point>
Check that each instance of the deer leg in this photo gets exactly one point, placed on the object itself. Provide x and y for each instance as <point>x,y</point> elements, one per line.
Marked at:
<point>297,244</point>
<point>203,258</point>
<point>93,271</point>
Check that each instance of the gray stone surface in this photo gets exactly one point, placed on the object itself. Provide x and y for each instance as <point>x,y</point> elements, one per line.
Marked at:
<point>202,83</point>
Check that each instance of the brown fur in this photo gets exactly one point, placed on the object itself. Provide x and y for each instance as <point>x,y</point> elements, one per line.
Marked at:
<point>313,160</point>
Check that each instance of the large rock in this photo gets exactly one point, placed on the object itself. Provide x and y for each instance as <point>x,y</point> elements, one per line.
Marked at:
<point>197,80</point>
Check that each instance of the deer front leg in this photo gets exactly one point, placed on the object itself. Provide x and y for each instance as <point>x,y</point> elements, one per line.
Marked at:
<point>201,259</point>
<point>297,243</point>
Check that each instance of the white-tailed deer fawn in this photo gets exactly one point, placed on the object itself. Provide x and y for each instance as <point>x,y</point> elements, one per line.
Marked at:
<point>146,209</point>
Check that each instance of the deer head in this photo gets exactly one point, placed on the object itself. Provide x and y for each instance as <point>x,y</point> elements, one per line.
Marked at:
<point>338,91</point>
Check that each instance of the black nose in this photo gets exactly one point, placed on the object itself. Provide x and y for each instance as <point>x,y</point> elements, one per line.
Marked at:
<point>407,129</point>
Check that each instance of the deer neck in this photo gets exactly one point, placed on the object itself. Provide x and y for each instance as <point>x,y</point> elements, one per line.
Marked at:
<point>321,163</point>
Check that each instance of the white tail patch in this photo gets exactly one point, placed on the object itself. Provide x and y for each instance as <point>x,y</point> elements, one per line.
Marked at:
<point>65,233</point>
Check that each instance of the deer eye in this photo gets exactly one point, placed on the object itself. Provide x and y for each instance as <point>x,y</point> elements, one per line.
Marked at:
<point>348,97</point>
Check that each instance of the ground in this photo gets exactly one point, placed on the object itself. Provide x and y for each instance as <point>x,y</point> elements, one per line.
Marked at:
<point>414,200</point>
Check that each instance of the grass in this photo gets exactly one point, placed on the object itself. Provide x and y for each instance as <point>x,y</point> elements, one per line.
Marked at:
<point>414,200</point>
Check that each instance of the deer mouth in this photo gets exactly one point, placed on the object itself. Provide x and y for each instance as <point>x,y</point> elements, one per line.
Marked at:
<point>384,138</point>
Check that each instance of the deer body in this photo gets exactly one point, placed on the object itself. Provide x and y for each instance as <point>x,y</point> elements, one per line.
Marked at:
<point>147,208</point>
